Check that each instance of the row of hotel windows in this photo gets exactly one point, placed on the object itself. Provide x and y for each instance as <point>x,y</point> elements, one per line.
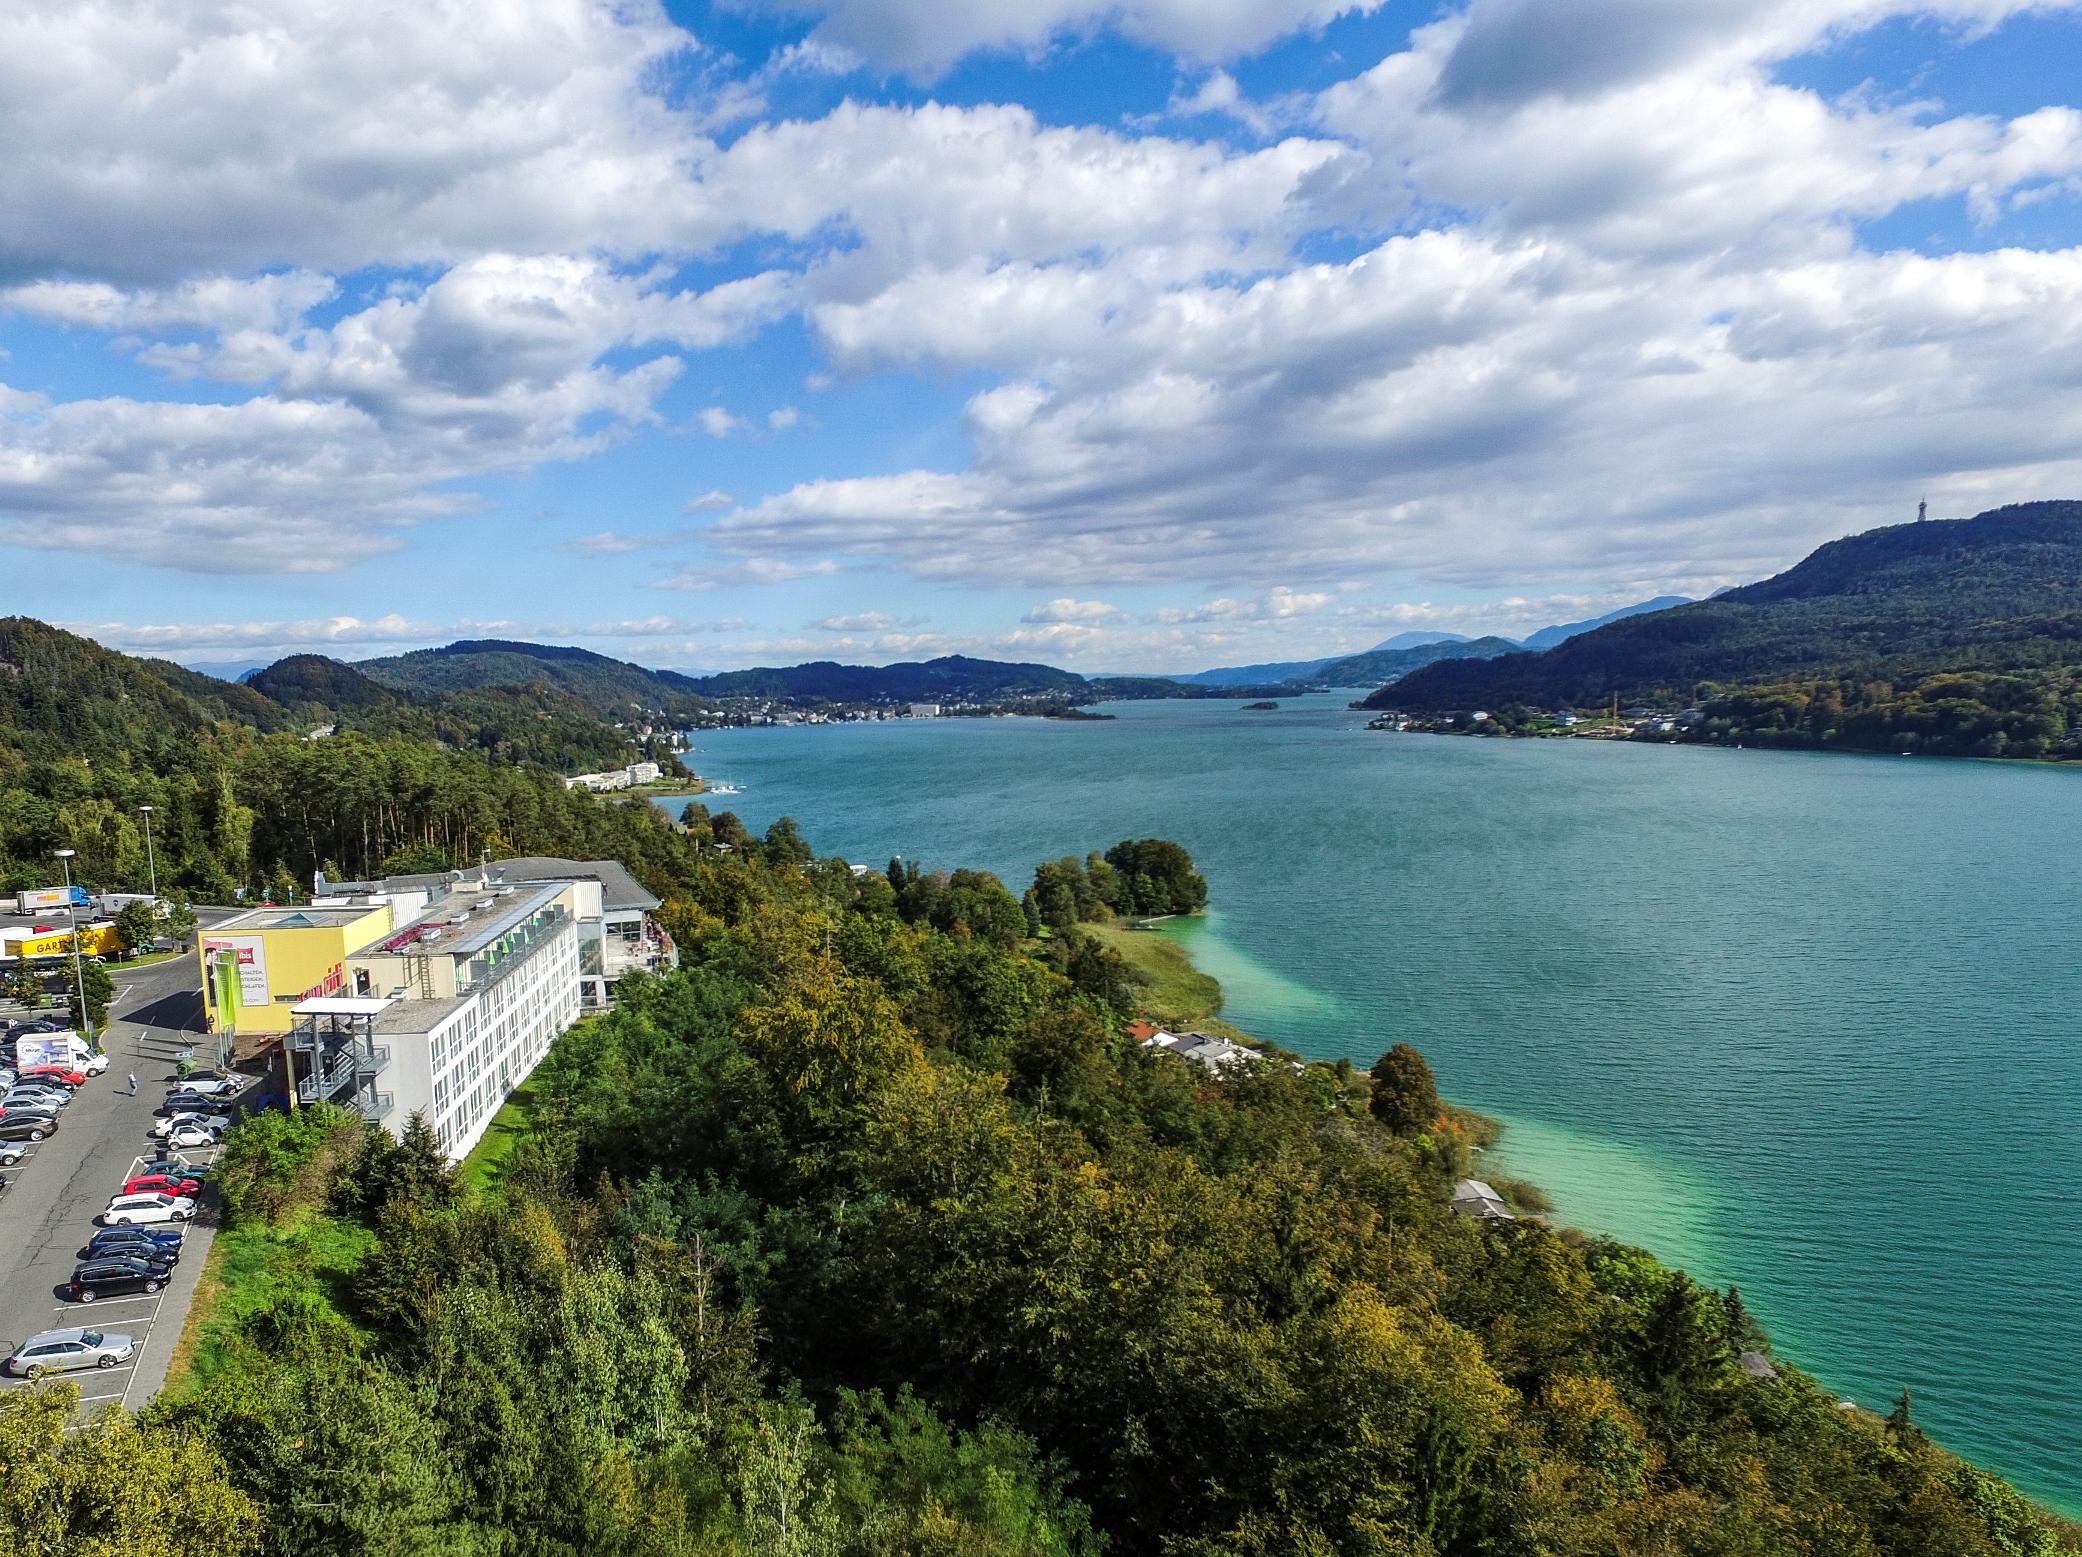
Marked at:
<point>477,1065</point>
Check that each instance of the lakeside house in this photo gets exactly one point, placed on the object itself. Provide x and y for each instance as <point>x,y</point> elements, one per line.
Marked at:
<point>1473,1197</point>
<point>1212,1054</point>
<point>1758,1366</point>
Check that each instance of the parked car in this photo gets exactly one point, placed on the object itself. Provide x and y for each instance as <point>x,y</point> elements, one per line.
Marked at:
<point>18,1126</point>
<point>71,1075</point>
<point>61,1351</point>
<point>34,1027</point>
<point>56,1091</point>
<point>115,1274</point>
<point>163,1181</point>
<point>151,1206</point>
<point>141,1242</point>
<point>169,1237</point>
<point>214,1086</point>
<point>185,1102</point>
<point>179,1167</point>
<point>212,1125</point>
<point>10,1154</point>
<point>31,1099</point>
<point>190,1137</point>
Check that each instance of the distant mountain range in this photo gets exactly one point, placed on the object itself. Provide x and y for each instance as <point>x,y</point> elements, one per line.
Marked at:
<point>1409,651</point>
<point>1999,592</point>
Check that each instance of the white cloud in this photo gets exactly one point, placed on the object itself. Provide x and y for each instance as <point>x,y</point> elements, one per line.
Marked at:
<point>493,366</point>
<point>1646,345</point>
<point>857,622</point>
<point>664,627</point>
<point>781,418</point>
<point>153,138</point>
<point>752,570</point>
<point>188,637</point>
<point>1067,609</point>
<point>714,498</point>
<point>719,423</point>
<point>1277,604</point>
<point>219,303</point>
<point>926,36</point>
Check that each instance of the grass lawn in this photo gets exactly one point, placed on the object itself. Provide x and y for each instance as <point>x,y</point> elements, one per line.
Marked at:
<point>146,960</point>
<point>1171,990</point>
<point>480,1169</point>
<point>250,1266</point>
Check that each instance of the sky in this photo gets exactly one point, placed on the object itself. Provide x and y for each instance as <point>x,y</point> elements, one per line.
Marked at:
<point>1135,335</point>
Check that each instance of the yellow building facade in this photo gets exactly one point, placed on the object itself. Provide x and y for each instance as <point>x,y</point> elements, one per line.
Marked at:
<point>258,965</point>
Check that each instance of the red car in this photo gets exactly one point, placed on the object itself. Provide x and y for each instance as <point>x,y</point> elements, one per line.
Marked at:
<point>164,1184</point>
<point>64,1073</point>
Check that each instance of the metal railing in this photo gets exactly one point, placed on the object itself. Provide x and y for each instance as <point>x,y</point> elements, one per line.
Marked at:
<point>375,1106</point>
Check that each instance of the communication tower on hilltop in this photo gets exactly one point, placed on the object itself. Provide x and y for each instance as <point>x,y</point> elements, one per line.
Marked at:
<point>1922,509</point>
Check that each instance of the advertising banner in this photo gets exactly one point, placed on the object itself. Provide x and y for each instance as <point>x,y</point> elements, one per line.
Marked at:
<point>46,1049</point>
<point>238,968</point>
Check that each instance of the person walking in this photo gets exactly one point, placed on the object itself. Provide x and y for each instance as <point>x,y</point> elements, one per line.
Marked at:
<point>133,1083</point>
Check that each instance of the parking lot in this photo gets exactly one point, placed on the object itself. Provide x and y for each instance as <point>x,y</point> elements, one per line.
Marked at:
<point>53,1196</point>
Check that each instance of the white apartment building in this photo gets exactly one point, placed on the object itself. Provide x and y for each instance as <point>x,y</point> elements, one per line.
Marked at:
<point>460,1005</point>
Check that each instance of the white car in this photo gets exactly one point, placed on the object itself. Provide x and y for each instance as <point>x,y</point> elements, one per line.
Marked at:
<point>210,1086</point>
<point>60,1351</point>
<point>192,1137</point>
<point>214,1124</point>
<point>149,1207</point>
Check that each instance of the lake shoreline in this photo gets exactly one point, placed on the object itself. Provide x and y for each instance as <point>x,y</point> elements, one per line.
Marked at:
<point>1680,984</point>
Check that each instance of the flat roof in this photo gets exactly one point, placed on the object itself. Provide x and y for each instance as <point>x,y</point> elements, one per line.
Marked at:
<point>340,1005</point>
<point>292,918</point>
<point>415,1016</point>
<point>481,928</point>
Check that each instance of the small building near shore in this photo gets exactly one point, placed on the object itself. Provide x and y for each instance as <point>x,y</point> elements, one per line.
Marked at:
<point>1473,1197</point>
<point>1212,1054</point>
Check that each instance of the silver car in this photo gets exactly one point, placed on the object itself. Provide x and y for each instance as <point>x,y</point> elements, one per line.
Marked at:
<point>61,1351</point>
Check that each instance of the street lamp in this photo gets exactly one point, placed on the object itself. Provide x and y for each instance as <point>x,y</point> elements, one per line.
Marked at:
<point>150,862</point>
<point>79,979</point>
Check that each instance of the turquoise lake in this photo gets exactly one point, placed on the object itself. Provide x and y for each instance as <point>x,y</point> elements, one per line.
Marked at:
<point>1811,1025</point>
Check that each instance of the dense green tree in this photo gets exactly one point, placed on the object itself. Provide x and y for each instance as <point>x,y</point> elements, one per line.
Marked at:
<point>1404,1096</point>
<point>137,926</point>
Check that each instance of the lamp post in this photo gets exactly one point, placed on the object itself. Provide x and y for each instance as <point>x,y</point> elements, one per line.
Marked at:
<point>79,979</point>
<point>151,862</point>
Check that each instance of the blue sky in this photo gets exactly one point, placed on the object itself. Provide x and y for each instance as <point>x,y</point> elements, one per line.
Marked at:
<point>1152,334</point>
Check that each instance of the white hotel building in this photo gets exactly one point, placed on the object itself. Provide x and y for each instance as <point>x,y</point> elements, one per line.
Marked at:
<point>457,1008</point>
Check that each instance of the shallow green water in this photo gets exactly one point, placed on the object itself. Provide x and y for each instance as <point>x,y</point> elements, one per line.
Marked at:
<point>1806,1024</point>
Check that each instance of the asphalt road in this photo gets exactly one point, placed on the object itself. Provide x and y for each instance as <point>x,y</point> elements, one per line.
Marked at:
<point>53,1195</point>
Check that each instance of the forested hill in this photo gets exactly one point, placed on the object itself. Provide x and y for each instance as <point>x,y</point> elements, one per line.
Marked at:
<point>64,696</point>
<point>610,687</point>
<point>2000,592</point>
<point>950,678</point>
<point>244,797</point>
<point>1379,665</point>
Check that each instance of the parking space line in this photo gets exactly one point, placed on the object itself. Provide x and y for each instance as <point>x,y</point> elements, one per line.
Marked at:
<point>98,1303</point>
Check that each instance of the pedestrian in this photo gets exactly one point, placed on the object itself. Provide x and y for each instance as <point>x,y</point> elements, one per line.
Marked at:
<point>133,1083</point>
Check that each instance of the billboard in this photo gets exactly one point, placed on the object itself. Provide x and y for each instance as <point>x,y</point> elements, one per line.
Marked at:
<point>238,970</point>
<point>48,1049</point>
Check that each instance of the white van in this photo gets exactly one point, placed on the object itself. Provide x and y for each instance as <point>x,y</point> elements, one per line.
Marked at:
<point>149,1207</point>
